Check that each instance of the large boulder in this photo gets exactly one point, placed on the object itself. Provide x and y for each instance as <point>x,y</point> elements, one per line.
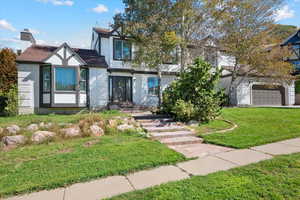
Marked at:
<point>96,131</point>
<point>46,125</point>
<point>125,127</point>
<point>42,136</point>
<point>14,140</point>
<point>13,129</point>
<point>32,127</point>
<point>71,132</point>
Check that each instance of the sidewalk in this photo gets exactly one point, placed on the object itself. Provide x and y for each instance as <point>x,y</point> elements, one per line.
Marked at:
<point>115,185</point>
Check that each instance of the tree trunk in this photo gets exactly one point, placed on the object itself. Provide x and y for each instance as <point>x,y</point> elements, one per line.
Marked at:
<point>159,88</point>
<point>232,85</point>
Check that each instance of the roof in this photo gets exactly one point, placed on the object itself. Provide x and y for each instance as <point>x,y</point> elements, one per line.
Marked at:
<point>103,31</point>
<point>38,53</point>
<point>294,38</point>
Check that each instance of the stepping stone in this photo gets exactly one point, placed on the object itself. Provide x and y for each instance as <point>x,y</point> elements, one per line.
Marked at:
<point>277,149</point>
<point>166,129</point>
<point>206,165</point>
<point>161,135</point>
<point>158,124</point>
<point>100,189</point>
<point>243,157</point>
<point>155,120</point>
<point>57,194</point>
<point>149,178</point>
<point>294,142</point>
<point>181,140</point>
<point>151,116</point>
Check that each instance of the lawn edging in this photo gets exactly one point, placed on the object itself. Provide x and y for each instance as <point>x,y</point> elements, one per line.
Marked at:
<point>234,126</point>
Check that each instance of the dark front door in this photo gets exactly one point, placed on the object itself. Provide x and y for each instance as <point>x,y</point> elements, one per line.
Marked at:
<point>120,89</point>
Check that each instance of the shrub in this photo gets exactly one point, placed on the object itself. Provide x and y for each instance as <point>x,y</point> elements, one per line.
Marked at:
<point>297,87</point>
<point>11,101</point>
<point>194,95</point>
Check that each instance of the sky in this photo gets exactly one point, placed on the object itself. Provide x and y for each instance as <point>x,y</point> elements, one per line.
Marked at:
<point>54,22</point>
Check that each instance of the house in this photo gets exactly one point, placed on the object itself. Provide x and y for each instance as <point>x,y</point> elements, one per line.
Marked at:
<point>65,79</point>
<point>294,41</point>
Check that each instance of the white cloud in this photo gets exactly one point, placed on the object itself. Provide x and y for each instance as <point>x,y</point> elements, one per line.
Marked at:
<point>117,11</point>
<point>100,8</point>
<point>6,25</point>
<point>58,2</point>
<point>284,13</point>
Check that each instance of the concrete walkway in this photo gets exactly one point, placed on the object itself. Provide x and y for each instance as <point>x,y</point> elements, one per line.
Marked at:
<point>115,185</point>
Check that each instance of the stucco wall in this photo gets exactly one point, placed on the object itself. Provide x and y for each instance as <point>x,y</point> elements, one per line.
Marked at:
<point>28,88</point>
<point>98,88</point>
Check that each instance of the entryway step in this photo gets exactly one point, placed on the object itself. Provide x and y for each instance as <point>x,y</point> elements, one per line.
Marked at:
<point>166,129</point>
<point>181,140</point>
<point>163,135</point>
<point>151,117</point>
<point>158,124</point>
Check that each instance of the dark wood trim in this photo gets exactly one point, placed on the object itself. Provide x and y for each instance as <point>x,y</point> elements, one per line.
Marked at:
<point>132,71</point>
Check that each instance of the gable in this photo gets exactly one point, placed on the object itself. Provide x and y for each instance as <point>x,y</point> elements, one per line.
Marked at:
<point>64,55</point>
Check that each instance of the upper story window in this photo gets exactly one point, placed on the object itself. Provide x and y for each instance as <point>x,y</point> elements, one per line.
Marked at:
<point>122,49</point>
<point>65,79</point>
<point>172,58</point>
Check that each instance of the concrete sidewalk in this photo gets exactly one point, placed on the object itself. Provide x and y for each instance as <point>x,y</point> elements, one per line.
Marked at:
<point>115,185</point>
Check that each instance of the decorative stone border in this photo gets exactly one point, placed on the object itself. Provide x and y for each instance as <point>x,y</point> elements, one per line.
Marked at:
<point>234,126</point>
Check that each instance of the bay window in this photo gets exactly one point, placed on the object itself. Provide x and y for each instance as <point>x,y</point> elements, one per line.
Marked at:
<point>65,79</point>
<point>122,49</point>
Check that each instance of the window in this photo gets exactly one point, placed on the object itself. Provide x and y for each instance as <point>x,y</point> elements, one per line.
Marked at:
<point>153,86</point>
<point>122,50</point>
<point>46,79</point>
<point>65,79</point>
<point>172,58</point>
<point>83,79</point>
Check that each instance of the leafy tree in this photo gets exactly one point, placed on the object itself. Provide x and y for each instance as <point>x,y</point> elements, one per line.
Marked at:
<point>244,30</point>
<point>8,69</point>
<point>194,94</point>
<point>150,26</point>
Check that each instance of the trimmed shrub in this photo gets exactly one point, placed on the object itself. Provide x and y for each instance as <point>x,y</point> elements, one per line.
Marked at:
<point>297,87</point>
<point>194,95</point>
<point>10,103</point>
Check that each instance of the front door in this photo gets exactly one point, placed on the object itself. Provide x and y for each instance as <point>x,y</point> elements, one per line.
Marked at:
<point>120,89</point>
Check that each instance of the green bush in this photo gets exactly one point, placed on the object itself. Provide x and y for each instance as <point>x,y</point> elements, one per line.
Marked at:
<point>194,95</point>
<point>11,108</point>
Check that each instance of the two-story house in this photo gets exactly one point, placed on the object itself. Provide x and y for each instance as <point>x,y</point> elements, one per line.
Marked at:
<point>65,79</point>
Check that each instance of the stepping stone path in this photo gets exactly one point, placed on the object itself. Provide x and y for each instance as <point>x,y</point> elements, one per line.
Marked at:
<point>167,131</point>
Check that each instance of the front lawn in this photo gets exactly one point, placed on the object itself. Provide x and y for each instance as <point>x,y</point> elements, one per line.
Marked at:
<point>46,166</point>
<point>278,178</point>
<point>257,126</point>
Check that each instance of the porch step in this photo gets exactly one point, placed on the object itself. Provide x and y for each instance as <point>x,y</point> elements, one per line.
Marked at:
<point>181,140</point>
<point>158,124</point>
<point>162,120</point>
<point>164,135</point>
<point>151,117</point>
<point>166,129</point>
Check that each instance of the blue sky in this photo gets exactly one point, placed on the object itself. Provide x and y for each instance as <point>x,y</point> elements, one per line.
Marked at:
<point>56,21</point>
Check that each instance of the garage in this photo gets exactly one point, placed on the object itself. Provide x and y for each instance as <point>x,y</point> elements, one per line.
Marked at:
<point>268,95</point>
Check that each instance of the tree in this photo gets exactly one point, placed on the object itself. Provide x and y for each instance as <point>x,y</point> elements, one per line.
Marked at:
<point>283,31</point>
<point>8,69</point>
<point>194,96</point>
<point>244,30</point>
<point>150,26</point>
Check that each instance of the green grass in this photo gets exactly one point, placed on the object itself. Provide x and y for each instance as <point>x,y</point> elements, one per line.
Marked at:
<point>216,125</point>
<point>257,126</point>
<point>24,120</point>
<point>47,166</point>
<point>278,179</point>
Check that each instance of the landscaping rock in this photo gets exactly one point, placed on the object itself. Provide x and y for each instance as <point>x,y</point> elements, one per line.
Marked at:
<point>14,140</point>
<point>46,125</point>
<point>96,131</point>
<point>1,130</point>
<point>125,127</point>
<point>71,132</point>
<point>42,136</point>
<point>112,123</point>
<point>32,127</point>
<point>13,129</point>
